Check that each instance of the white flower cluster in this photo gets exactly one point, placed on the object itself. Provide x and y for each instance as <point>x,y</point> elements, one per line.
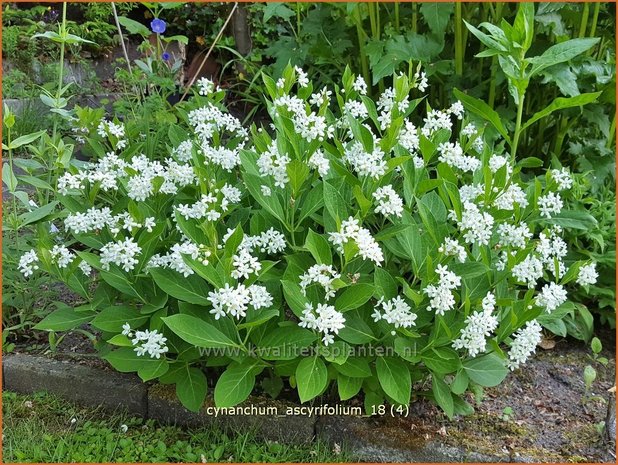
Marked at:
<point>529,271</point>
<point>61,256</point>
<point>420,81</point>
<point>436,120</point>
<point>351,229</point>
<point>442,298</point>
<point>109,128</point>
<point>325,319</point>
<point>273,163</point>
<point>319,162</point>
<point>147,342</point>
<point>549,204</point>
<point>452,154</point>
<point>395,311</point>
<point>356,110</point>
<point>563,178</point>
<point>498,161</point>
<point>360,85</point>
<point>385,105</point>
<point>324,275</point>
<point>511,235</point>
<point>469,192</point>
<point>184,151</point>
<point>551,297</point>
<point>477,226</point>
<point>513,194</point>
<point>320,98</point>
<point>479,326</point>
<point>451,247</point>
<point>587,275</point>
<point>551,251</point>
<point>95,219</point>
<point>524,344</point>
<point>235,301</point>
<point>174,258</point>
<point>366,164</point>
<point>270,241</point>
<point>120,253</point>
<point>85,267</point>
<point>310,126</point>
<point>28,263</point>
<point>207,206</point>
<point>244,264</point>
<point>389,202</point>
<point>206,86</point>
<point>408,137</point>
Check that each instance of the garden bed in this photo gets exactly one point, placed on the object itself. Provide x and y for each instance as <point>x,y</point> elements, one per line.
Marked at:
<point>536,415</point>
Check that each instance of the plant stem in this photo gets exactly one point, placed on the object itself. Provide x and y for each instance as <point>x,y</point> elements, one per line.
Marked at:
<point>298,20</point>
<point>361,46</point>
<point>62,46</point>
<point>584,20</point>
<point>520,112</point>
<point>414,17</point>
<point>397,17</point>
<point>612,133</point>
<point>458,40</point>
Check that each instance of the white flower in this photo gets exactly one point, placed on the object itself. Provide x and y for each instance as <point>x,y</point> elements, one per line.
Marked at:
<point>418,162</point>
<point>552,296</point>
<point>184,151</point>
<point>150,342</point>
<point>469,130</point>
<point>549,204</point>
<point>351,229</point>
<point>149,223</point>
<point>124,428</point>
<point>529,271</point>
<point>265,190</point>
<point>319,162</point>
<point>479,326</point>
<point>360,85</point>
<point>587,275</point>
<point>174,258</point>
<point>85,267</point>
<point>126,330</point>
<point>260,297</point>
<point>205,86</point>
<point>355,109</point>
<point>452,248</point>
<point>325,319</point>
<point>61,256</point>
<point>420,80</point>
<point>234,301</point>
<point>366,164</point>
<point>272,163</point>
<point>389,202</point>
<point>477,226</point>
<point>109,128</point>
<point>27,263</point>
<point>320,98</point>
<point>514,236</point>
<point>469,192</point>
<point>244,264</point>
<point>396,312</point>
<point>457,109</point>
<point>551,251</point>
<point>324,275</point>
<point>563,178</point>
<point>514,194</point>
<point>436,120</point>
<point>524,344</point>
<point>452,154</point>
<point>303,79</point>
<point>120,253</point>
<point>408,137</point>
<point>271,241</point>
<point>496,162</point>
<point>441,296</point>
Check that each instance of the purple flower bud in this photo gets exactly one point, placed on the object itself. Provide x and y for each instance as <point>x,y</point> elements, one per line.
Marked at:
<point>158,25</point>
<point>165,56</point>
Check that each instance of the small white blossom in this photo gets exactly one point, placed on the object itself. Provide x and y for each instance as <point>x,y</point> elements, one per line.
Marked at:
<point>325,319</point>
<point>587,275</point>
<point>61,256</point>
<point>351,229</point>
<point>549,204</point>
<point>389,202</point>
<point>451,247</point>
<point>479,326</point>
<point>395,312</point>
<point>321,274</point>
<point>120,253</point>
<point>551,297</point>
<point>150,342</point>
<point>563,178</point>
<point>514,236</point>
<point>360,85</point>
<point>528,271</point>
<point>524,344</point>
<point>477,226</point>
<point>28,263</point>
<point>319,162</point>
<point>441,295</point>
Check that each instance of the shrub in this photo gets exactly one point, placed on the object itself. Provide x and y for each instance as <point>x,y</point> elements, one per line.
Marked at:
<point>351,242</point>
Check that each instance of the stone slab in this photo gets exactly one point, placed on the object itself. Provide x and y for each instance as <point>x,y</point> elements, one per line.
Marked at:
<point>78,383</point>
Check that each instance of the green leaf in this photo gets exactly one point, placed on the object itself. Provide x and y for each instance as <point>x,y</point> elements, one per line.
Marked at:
<point>285,343</point>
<point>561,103</point>
<point>190,289</point>
<point>571,219</point>
<point>277,10</point>
<point>334,202</point>
<point>26,139</point>
<point>125,360</point>
<point>197,332</point>
<point>191,388</point>
<point>348,387</point>
<point>294,297</point>
<point>560,53</point>
<point>355,367</point>
<point>64,319</point>
<point>318,246</point>
<point>236,383</point>
<point>442,395</point>
<point>481,109</point>
<point>154,369</point>
<point>112,318</point>
<point>394,377</point>
<point>487,370</point>
<point>9,178</point>
<point>311,378</point>
<point>133,26</point>
<point>437,15</point>
<point>354,296</point>
<point>38,214</point>
<point>356,330</point>
<point>441,360</point>
<point>298,173</point>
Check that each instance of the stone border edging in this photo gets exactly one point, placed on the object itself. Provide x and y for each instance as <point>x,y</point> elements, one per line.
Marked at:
<point>96,387</point>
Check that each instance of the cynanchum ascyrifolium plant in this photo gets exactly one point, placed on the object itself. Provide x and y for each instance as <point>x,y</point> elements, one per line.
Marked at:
<point>365,244</point>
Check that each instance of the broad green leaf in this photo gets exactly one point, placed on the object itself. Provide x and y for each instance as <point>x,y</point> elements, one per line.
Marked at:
<point>311,378</point>
<point>191,388</point>
<point>26,139</point>
<point>197,332</point>
<point>441,360</point>
<point>437,15</point>
<point>487,370</point>
<point>561,103</point>
<point>192,288</point>
<point>64,319</point>
<point>481,109</point>
<point>285,343</point>
<point>133,26</point>
<point>318,246</point>
<point>394,377</point>
<point>236,383</point>
<point>354,296</point>
<point>38,214</point>
<point>348,387</point>
<point>112,318</point>
<point>442,395</point>
<point>355,367</point>
<point>560,53</point>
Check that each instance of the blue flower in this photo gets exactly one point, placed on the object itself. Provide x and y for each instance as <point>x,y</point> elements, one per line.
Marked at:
<point>158,25</point>
<point>165,56</point>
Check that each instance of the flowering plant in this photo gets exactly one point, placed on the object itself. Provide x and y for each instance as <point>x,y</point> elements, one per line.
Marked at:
<point>351,242</point>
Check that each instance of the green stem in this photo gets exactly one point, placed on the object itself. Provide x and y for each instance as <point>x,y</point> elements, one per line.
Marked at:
<point>492,81</point>
<point>414,17</point>
<point>361,46</point>
<point>584,21</point>
<point>458,41</point>
<point>14,201</point>
<point>520,112</point>
<point>62,46</point>
<point>397,17</point>
<point>595,19</point>
<point>298,20</point>
<point>612,133</point>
